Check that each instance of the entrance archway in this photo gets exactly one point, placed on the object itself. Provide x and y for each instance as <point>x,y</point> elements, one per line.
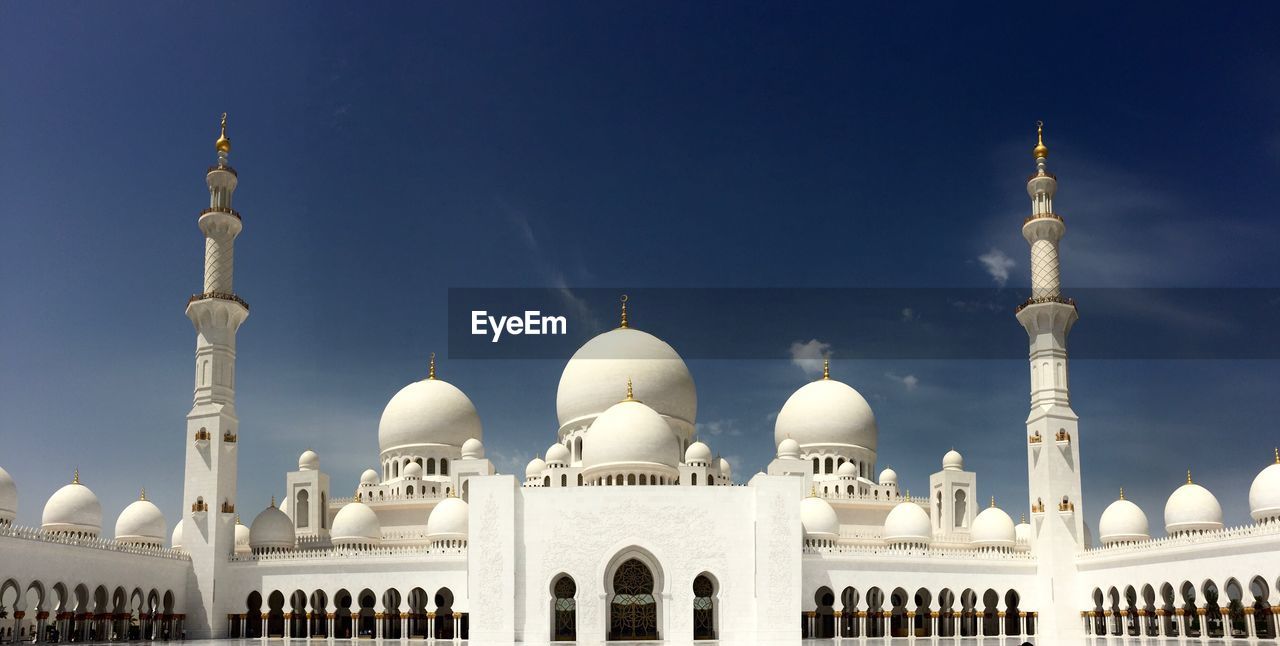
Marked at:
<point>704,607</point>
<point>633,606</point>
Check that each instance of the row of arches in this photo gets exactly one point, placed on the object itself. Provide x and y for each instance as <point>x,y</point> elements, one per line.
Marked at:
<point>904,614</point>
<point>831,464</point>
<point>63,613</point>
<point>363,614</point>
<point>1232,610</point>
<point>391,468</point>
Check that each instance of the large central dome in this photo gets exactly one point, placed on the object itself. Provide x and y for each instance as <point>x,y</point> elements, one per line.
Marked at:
<point>589,384</point>
<point>430,411</point>
<point>827,413</point>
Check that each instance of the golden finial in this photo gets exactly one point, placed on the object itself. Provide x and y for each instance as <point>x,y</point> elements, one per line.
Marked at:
<point>631,396</point>
<point>1278,455</point>
<point>1041,151</point>
<point>431,367</point>
<point>143,495</point>
<point>623,300</point>
<point>273,500</point>
<point>1188,476</point>
<point>826,368</point>
<point>1122,493</point>
<point>223,144</point>
<point>238,519</point>
<point>813,491</point>
<point>993,502</point>
<point>1024,518</point>
<point>75,478</point>
<point>908,495</point>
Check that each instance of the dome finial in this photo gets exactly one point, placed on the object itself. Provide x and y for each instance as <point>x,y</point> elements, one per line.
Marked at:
<point>223,144</point>
<point>431,367</point>
<point>1277,455</point>
<point>238,519</point>
<point>813,491</point>
<point>631,396</point>
<point>1122,493</point>
<point>273,500</point>
<point>908,495</point>
<point>1188,476</point>
<point>1024,517</point>
<point>1041,151</point>
<point>75,477</point>
<point>143,494</point>
<point>623,323</point>
<point>993,502</point>
<point>826,367</point>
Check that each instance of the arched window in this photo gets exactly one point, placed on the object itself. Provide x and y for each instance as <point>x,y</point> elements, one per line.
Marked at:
<point>444,466</point>
<point>579,479</point>
<point>631,478</point>
<point>395,470</point>
<point>961,509</point>
<point>409,490</point>
<point>431,466</point>
<point>644,480</point>
<point>564,480</point>
<point>693,479</point>
<point>577,449</point>
<point>633,609</point>
<point>324,511</point>
<point>302,508</point>
<point>830,465</point>
<point>704,608</point>
<point>564,608</point>
<point>817,465</point>
<point>546,482</point>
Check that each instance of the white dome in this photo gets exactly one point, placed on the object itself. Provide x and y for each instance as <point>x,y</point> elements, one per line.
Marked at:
<point>472,449</point>
<point>819,519</point>
<point>448,521</point>
<point>1022,532</point>
<point>888,477</point>
<point>630,434</point>
<point>175,539</point>
<point>993,528</point>
<point>8,497</point>
<point>1191,508</point>
<point>788,449</point>
<point>1122,521</point>
<point>1264,494</point>
<point>412,470</point>
<point>73,509</point>
<point>535,468</point>
<point>592,379</point>
<point>430,411</point>
<point>825,413</point>
<point>356,524</point>
<point>908,522</point>
<point>847,470</point>
<point>272,529</point>
<point>726,469</point>
<point>558,454</point>
<point>141,523</point>
<point>308,461</point>
<point>953,461</point>
<point>242,538</point>
<point>697,453</point>
<point>369,477</point>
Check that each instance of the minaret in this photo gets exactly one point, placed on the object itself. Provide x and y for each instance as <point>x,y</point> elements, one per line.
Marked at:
<point>1053,440</point>
<point>208,532</point>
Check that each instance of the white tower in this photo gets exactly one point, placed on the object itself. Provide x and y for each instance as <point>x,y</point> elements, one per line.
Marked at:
<point>1053,450</point>
<point>953,499</point>
<point>208,532</point>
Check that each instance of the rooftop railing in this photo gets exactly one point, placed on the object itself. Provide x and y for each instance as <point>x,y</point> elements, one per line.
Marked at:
<point>106,544</point>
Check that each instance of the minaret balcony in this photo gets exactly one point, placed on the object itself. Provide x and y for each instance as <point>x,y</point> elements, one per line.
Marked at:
<point>1042,216</point>
<point>223,168</point>
<point>1045,299</point>
<point>224,296</point>
<point>202,438</point>
<point>221,209</point>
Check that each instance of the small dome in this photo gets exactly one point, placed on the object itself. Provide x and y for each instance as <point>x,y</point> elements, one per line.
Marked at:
<point>1191,508</point>
<point>788,449</point>
<point>272,529</point>
<point>993,528</point>
<point>590,383</point>
<point>535,468</point>
<point>448,521</point>
<point>175,539</point>
<point>8,497</point>
<point>242,538</point>
<point>472,449</point>
<point>819,519</point>
<point>726,469</point>
<point>73,509</point>
<point>431,411</point>
<point>847,470</point>
<point>369,477</point>
<point>413,470</point>
<point>953,461</point>
<point>697,453</point>
<point>308,461</point>
<point>630,434</point>
<point>558,454</point>
<point>1122,521</point>
<point>888,477</point>
<point>141,523</point>
<point>356,524</point>
<point>827,413</point>
<point>1022,532</point>
<point>908,523</point>
<point>1264,493</point>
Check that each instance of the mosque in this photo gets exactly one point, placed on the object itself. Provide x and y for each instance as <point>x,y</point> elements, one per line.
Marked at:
<point>628,528</point>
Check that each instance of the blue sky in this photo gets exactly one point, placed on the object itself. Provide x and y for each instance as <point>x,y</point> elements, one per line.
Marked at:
<point>389,154</point>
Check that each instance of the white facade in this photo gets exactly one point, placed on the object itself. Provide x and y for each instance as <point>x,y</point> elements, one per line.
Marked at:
<point>628,526</point>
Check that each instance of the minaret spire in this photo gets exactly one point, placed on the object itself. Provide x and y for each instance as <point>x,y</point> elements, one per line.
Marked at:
<point>623,323</point>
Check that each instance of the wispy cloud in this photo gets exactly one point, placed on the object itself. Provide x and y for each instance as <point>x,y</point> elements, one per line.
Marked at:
<point>550,272</point>
<point>808,355</point>
<point>997,263</point>
<point>909,315</point>
<point>720,427</point>
<point>910,382</point>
